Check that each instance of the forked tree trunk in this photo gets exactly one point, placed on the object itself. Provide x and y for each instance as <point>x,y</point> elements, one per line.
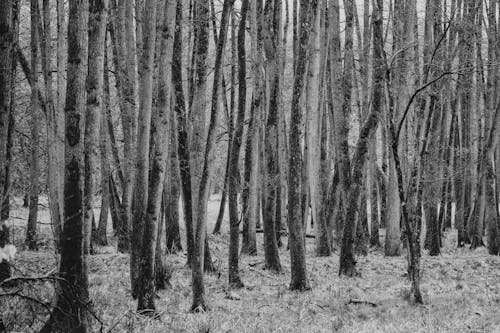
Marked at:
<point>200,243</point>
<point>70,312</point>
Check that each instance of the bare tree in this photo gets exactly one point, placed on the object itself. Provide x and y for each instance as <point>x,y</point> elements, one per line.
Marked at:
<point>299,280</point>
<point>71,311</point>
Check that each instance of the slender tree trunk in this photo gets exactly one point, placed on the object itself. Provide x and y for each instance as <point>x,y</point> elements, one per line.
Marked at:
<point>313,127</point>
<point>200,244</point>
<point>233,182</point>
<point>299,280</point>
<point>171,193</point>
<point>271,35</point>
<point>54,121</point>
<point>144,219</point>
<point>250,191</point>
<point>102,228</point>
<point>95,82</point>
<point>183,137</point>
<point>71,313</point>
<point>31,230</point>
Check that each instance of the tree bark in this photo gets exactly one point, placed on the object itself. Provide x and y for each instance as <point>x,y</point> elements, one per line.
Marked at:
<point>270,34</point>
<point>31,230</point>
<point>234,174</point>
<point>299,280</point>
<point>95,82</point>
<point>71,313</point>
<point>171,193</point>
<point>160,138</point>
<point>250,191</point>
<point>144,219</point>
<point>183,137</point>
<point>55,124</point>
<point>200,245</point>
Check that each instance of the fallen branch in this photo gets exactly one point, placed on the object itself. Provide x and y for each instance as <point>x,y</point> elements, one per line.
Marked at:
<point>358,301</point>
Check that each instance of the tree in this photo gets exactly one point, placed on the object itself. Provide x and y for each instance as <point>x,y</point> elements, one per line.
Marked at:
<point>200,245</point>
<point>31,238</point>
<point>271,33</point>
<point>233,181</point>
<point>250,195</point>
<point>299,279</point>
<point>160,138</point>
<point>313,129</point>
<point>70,312</point>
<point>142,165</point>
<point>95,82</point>
<point>183,135</point>
<point>54,115</point>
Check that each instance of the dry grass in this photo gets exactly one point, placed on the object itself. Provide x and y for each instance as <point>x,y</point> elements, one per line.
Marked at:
<point>461,289</point>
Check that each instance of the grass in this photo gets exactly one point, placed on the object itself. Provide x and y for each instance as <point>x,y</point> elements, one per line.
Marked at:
<point>461,291</point>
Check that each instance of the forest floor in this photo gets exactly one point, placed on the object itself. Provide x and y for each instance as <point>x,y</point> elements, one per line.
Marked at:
<point>461,290</point>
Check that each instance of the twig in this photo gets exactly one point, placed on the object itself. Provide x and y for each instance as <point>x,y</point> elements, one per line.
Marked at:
<point>358,301</point>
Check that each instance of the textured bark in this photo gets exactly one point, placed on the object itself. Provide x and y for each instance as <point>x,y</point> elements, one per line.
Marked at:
<point>95,82</point>
<point>31,230</point>
<point>299,280</point>
<point>183,137</point>
<point>393,217</point>
<point>250,191</point>
<point>160,137</point>
<point>200,244</point>
<point>313,128</point>
<point>145,218</point>
<point>102,237</point>
<point>124,78</point>
<point>233,181</point>
<point>270,178</point>
<point>70,312</point>
<point>171,193</point>
<point>55,124</point>
<point>104,147</point>
<point>7,48</point>
<point>198,103</point>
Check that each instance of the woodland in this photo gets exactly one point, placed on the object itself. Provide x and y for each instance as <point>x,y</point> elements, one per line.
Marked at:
<point>249,166</point>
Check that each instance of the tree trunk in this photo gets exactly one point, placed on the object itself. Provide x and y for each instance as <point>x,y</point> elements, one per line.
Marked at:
<point>171,193</point>
<point>200,243</point>
<point>313,128</point>
<point>55,124</point>
<point>299,280</point>
<point>233,182</point>
<point>95,82</point>
<point>270,34</point>
<point>146,207</point>
<point>183,137</point>
<point>250,191</point>
<point>102,228</point>
<point>70,312</point>
<point>31,230</point>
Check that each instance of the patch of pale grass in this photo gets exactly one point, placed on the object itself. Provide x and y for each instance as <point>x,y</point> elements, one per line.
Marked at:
<point>461,290</point>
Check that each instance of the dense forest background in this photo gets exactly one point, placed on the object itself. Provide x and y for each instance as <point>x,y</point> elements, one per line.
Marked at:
<point>192,136</point>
